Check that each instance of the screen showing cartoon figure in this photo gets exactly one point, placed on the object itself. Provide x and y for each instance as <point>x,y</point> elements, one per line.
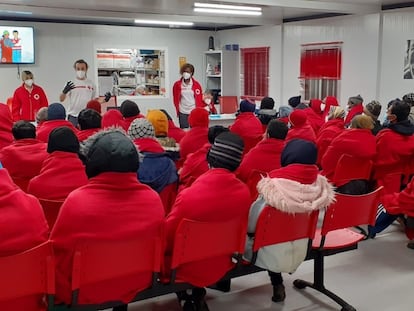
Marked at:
<point>16,45</point>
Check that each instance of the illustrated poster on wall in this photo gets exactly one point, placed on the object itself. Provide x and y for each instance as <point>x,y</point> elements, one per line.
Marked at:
<point>409,60</point>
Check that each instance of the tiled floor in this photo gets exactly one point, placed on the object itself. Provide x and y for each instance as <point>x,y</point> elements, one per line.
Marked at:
<point>378,276</point>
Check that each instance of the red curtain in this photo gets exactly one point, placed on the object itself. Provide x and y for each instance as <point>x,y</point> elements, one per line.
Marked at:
<point>256,71</point>
<point>320,63</point>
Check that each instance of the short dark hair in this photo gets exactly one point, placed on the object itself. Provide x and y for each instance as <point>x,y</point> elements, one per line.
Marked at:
<point>15,31</point>
<point>400,109</point>
<point>23,129</point>
<point>89,119</point>
<point>81,61</point>
<point>187,66</point>
<point>129,108</point>
<point>267,103</point>
<point>277,129</point>
<point>215,131</point>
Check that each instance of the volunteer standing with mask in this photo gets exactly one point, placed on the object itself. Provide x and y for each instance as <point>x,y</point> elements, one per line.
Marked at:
<point>28,99</point>
<point>79,92</point>
<point>187,94</point>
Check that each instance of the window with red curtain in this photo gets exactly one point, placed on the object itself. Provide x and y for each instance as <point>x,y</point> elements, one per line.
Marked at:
<point>255,72</point>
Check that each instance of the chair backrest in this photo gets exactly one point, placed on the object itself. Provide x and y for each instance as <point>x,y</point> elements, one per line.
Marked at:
<point>28,273</point>
<point>351,211</point>
<point>196,240</point>
<point>274,227</point>
<point>351,168</point>
<point>51,209</point>
<point>98,261</point>
<point>228,104</point>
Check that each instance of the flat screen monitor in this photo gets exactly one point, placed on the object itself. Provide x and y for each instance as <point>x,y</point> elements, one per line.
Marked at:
<point>16,45</point>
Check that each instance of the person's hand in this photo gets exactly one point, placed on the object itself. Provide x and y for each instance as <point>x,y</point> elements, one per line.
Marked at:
<point>107,97</point>
<point>68,87</point>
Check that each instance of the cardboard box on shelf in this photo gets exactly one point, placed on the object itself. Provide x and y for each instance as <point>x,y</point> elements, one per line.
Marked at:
<point>122,60</point>
<point>105,60</point>
<point>155,63</point>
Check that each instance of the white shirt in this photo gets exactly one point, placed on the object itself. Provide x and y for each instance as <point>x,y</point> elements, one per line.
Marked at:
<point>77,98</point>
<point>187,102</point>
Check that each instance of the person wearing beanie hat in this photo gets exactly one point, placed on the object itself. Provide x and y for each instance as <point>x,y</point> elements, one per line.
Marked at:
<point>113,118</point>
<point>24,157</point>
<point>284,112</point>
<point>356,141</point>
<point>130,111</point>
<point>299,126</point>
<point>113,195</point>
<point>266,112</point>
<point>331,129</point>
<point>197,136</point>
<point>55,118</point>
<point>89,122</point>
<point>294,101</point>
<point>219,196</point>
<point>95,105</point>
<point>173,131</point>
<point>62,171</point>
<point>354,107</point>
<point>196,163</point>
<point>294,188</point>
<point>247,125</point>
<point>156,169</point>
<point>267,103</point>
<point>23,227</point>
<point>265,157</point>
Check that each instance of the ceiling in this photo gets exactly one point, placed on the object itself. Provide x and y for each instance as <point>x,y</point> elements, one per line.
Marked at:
<point>123,12</point>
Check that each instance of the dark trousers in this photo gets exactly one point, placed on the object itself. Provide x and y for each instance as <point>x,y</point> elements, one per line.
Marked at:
<point>183,120</point>
<point>275,278</point>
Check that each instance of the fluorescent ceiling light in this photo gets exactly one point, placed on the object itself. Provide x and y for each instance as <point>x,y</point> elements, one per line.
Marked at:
<point>229,12</point>
<point>154,22</point>
<point>226,7</point>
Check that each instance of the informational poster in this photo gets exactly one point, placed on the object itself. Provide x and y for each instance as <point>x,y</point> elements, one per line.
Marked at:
<point>409,60</point>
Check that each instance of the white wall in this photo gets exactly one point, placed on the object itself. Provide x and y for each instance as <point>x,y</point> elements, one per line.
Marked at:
<point>57,46</point>
<point>259,37</point>
<point>360,35</point>
<point>398,28</point>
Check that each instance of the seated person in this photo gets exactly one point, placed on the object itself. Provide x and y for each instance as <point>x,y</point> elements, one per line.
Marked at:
<point>41,116</point>
<point>196,163</point>
<point>113,206</point>
<point>24,157</point>
<point>23,227</point>
<point>315,114</point>
<point>95,105</point>
<point>130,111</point>
<point>300,127</point>
<point>354,107</point>
<point>89,122</point>
<point>173,130</point>
<point>296,103</point>
<point>6,124</point>
<point>62,171</point>
<point>373,110</point>
<point>218,196</point>
<point>56,115</point>
<point>156,169</point>
<point>329,101</point>
<point>247,126</point>
<point>113,118</point>
<point>208,100</point>
<point>266,112</point>
<point>296,187</point>
<point>284,112</point>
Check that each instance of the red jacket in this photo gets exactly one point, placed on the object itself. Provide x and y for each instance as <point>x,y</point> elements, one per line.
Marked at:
<point>194,166</point>
<point>356,110</point>
<point>22,226</point>
<point>198,94</point>
<point>85,134</point>
<point>193,140</point>
<point>48,126</point>
<point>314,116</point>
<point>265,157</point>
<point>23,159</point>
<point>113,118</point>
<point>6,124</point>
<point>327,133</point>
<point>400,202</point>
<point>303,132</point>
<point>61,173</point>
<point>91,213</point>
<point>355,142</point>
<point>249,128</point>
<point>218,196</point>
<point>26,104</point>
<point>175,132</point>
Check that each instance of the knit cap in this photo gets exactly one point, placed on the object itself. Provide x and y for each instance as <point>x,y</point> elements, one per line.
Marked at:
<point>141,128</point>
<point>355,100</point>
<point>299,151</point>
<point>246,106</point>
<point>285,111</point>
<point>294,101</point>
<point>159,121</point>
<point>409,98</point>
<point>63,139</point>
<point>198,117</point>
<point>373,109</point>
<point>226,151</point>
<point>94,105</point>
<point>56,111</point>
<point>129,109</point>
<point>297,118</point>
<point>267,103</point>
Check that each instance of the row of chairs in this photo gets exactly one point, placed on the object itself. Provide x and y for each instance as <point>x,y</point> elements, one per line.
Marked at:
<point>32,272</point>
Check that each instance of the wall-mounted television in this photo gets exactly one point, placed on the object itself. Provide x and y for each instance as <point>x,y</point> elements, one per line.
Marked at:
<point>16,45</point>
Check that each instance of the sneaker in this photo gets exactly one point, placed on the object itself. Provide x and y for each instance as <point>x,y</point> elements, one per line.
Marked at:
<point>279,293</point>
<point>410,244</point>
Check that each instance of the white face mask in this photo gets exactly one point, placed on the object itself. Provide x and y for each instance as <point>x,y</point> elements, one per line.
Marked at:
<point>80,74</point>
<point>323,106</point>
<point>186,75</point>
<point>207,101</point>
<point>28,82</point>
